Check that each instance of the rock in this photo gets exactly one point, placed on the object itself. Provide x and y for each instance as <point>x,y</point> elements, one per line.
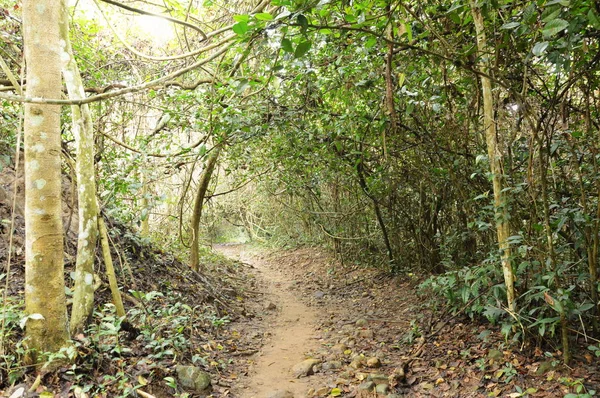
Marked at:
<point>318,294</point>
<point>378,378</point>
<point>393,396</point>
<point>366,333</point>
<point>373,362</point>
<point>361,323</point>
<point>305,368</point>
<point>329,365</point>
<point>339,348</point>
<point>281,394</point>
<point>361,376</point>
<point>342,382</point>
<point>356,363</point>
<point>367,386</point>
<point>192,377</point>
<point>398,376</point>
<point>495,355</point>
<point>382,389</point>
<point>271,307</point>
<point>347,330</point>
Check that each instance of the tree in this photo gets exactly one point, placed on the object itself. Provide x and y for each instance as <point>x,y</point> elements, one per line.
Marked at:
<point>44,285</point>
<point>494,158</point>
<point>81,121</point>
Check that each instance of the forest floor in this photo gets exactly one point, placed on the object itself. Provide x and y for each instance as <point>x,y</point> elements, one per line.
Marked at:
<point>325,330</point>
<point>270,324</point>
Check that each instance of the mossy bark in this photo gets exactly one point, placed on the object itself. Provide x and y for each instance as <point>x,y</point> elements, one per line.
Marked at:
<point>199,202</point>
<point>45,302</point>
<point>83,296</point>
<point>110,269</point>
<point>495,157</point>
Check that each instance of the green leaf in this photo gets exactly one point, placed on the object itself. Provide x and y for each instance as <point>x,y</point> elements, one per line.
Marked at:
<point>241,18</point>
<point>336,392</point>
<point>302,49</point>
<point>550,14</point>
<point>303,22</point>
<point>593,19</point>
<point>371,42</point>
<point>286,45</point>
<point>409,32</point>
<point>263,16</point>
<point>555,26</point>
<point>510,25</point>
<point>240,28</point>
<point>539,48</point>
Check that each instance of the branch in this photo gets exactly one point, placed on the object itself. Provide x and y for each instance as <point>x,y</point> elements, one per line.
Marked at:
<point>132,89</point>
<point>152,14</point>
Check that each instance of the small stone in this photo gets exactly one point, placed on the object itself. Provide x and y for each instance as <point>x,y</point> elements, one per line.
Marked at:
<point>398,376</point>
<point>305,368</point>
<point>361,376</point>
<point>339,348</point>
<point>382,389</point>
<point>347,329</point>
<point>373,362</point>
<point>366,334</point>
<point>342,382</point>
<point>393,396</point>
<point>367,386</point>
<point>378,378</point>
<point>271,307</point>
<point>346,374</point>
<point>192,377</point>
<point>281,394</point>
<point>356,363</point>
<point>361,323</point>
<point>318,294</point>
<point>330,365</point>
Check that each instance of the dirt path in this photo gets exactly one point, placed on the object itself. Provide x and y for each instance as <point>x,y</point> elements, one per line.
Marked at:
<point>370,333</point>
<point>292,333</point>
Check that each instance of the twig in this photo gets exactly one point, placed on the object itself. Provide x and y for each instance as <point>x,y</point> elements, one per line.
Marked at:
<point>144,394</point>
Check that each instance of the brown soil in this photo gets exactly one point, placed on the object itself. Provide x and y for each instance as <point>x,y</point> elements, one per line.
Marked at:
<point>291,332</point>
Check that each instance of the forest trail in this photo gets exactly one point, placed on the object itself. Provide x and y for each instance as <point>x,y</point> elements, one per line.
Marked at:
<point>370,333</point>
<point>291,328</point>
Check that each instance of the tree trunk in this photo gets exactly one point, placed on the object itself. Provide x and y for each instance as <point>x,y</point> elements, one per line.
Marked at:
<point>83,296</point>
<point>110,269</point>
<point>45,302</point>
<point>386,239</point>
<point>495,159</point>
<point>199,202</point>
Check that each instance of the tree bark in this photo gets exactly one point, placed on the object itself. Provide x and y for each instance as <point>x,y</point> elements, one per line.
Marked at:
<point>110,269</point>
<point>199,202</point>
<point>495,158</point>
<point>83,296</point>
<point>45,302</point>
<point>386,239</point>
